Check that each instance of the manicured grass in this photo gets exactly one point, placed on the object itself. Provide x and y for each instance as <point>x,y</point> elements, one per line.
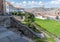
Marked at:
<point>50,25</point>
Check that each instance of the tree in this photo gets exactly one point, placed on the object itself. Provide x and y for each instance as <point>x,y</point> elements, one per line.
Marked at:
<point>57,17</point>
<point>29,17</point>
<point>13,13</point>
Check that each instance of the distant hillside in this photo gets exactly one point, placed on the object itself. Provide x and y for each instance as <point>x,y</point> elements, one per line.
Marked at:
<point>42,10</point>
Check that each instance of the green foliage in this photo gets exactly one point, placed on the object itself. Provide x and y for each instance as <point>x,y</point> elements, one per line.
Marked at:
<point>33,27</point>
<point>39,39</point>
<point>17,13</point>
<point>13,13</point>
<point>29,17</point>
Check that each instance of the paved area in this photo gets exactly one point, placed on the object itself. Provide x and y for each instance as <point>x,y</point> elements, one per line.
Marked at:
<point>9,36</point>
<point>19,33</point>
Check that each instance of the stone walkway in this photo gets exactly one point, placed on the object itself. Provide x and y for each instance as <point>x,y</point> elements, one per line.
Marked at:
<point>9,36</point>
<point>19,33</point>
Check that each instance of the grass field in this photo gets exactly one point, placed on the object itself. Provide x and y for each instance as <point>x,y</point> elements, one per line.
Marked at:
<point>50,25</point>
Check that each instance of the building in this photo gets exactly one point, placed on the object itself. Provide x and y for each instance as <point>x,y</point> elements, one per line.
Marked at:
<point>11,8</point>
<point>19,8</point>
<point>46,15</point>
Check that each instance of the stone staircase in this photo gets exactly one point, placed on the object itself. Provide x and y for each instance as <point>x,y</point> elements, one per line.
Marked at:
<point>11,22</point>
<point>24,29</point>
<point>7,35</point>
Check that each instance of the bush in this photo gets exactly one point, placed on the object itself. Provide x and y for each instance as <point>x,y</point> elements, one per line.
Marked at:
<point>39,39</point>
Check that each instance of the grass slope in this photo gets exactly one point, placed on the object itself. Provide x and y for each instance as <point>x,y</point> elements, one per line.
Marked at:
<point>50,25</point>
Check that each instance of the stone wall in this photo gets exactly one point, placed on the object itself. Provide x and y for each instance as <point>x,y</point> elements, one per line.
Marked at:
<point>2,7</point>
<point>19,18</point>
<point>5,21</point>
<point>23,28</point>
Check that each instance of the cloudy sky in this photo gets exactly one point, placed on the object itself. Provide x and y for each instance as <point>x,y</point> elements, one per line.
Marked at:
<point>35,3</point>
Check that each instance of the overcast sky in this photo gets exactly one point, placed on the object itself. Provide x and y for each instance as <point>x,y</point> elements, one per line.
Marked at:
<point>35,3</point>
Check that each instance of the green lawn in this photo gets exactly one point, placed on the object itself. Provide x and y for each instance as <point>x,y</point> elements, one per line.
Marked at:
<point>50,25</point>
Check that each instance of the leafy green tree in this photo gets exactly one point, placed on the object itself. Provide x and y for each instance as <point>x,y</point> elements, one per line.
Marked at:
<point>13,13</point>
<point>29,17</point>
